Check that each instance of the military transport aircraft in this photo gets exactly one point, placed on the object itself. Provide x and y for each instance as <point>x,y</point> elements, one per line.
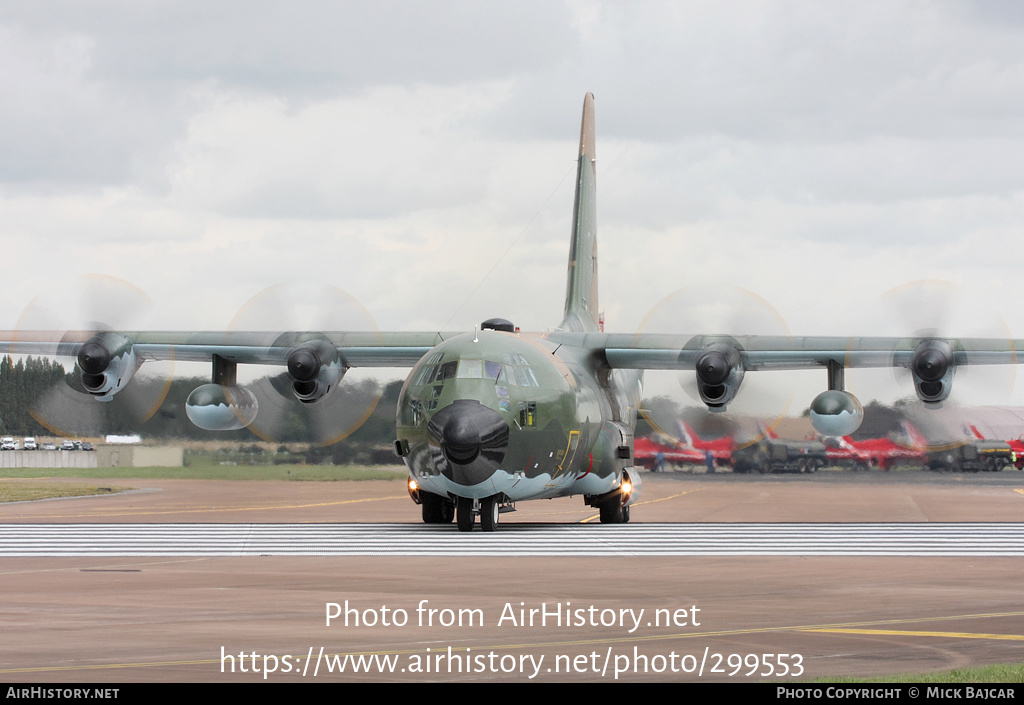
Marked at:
<point>493,416</point>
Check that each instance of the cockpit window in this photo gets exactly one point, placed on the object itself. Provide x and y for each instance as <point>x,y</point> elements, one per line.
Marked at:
<point>494,370</point>
<point>518,371</point>
<point>425,374</point>
<point>471,369</point>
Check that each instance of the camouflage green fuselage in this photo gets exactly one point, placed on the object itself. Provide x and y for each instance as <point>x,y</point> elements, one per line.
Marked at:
<point>568,417</point>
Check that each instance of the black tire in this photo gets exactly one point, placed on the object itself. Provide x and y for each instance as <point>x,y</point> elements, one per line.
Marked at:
<point>489,514</point>
<point>436,509</point>
<point>611,510</point>
<point>625,514</point>
<point>464,514</point>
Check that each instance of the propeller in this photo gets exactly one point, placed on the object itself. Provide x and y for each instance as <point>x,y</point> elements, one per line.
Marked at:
<point>935,310</point>
<point>722,310</point>
<point>91,323</point>
<point>308,400</point>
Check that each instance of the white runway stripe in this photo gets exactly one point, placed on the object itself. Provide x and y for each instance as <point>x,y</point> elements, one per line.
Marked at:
<point>512,540</point>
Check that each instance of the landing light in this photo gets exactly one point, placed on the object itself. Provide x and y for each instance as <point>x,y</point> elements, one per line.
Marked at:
<point>626,487</point>
<point>412,485</point>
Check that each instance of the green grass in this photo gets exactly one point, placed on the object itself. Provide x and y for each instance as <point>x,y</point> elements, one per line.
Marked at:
<point>15,491</point>
<point>214,471</point>
<point>1002,673</point>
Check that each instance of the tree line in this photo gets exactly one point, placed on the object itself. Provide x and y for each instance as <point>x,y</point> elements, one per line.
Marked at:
<point>29,386</point>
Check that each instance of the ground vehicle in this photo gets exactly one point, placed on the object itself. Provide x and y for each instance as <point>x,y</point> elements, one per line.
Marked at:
<point>30,443</point>
<point>8,443</point>
<point>976,455</point>
<point>778,455</point>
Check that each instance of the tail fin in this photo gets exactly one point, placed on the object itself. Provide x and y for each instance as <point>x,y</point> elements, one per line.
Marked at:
<point>581,311</point>
<point>913,435</point>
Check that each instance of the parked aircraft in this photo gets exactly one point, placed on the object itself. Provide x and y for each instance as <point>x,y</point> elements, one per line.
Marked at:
<point>493,416</point>
<point>908,447</point>
<point>646,451</point>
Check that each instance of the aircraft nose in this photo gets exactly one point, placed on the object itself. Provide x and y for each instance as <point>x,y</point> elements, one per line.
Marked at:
<point>468,441</point>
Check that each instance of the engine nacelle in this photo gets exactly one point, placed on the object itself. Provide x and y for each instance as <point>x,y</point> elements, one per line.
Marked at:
<point>215,407</point>
<point>719,374</point>
<point>315,369</point>
<point>932,368</point>
<point>836,413</point>
<point>107,362</point>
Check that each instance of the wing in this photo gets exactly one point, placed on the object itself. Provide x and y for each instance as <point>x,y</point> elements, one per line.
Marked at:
<point>355,349</point>
<point>720,363</point>
<point>315,364</point>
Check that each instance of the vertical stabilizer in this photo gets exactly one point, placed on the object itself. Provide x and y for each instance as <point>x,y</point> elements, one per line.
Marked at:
<point>581,311</point>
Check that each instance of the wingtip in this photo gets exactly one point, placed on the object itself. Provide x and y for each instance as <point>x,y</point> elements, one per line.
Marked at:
<point>587,128</point>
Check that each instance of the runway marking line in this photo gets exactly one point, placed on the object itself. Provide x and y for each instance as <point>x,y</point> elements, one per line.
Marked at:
<point>897,632</point>
<point>79,569</point>
<point>649,501</point>
<point>849,627</point>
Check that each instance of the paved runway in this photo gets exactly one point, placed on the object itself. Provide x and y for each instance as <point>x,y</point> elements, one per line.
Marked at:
<point>704,617</point>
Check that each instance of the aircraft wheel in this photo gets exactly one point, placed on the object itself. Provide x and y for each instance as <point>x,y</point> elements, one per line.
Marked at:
<point>489,514</point>
<point>464,514</point>
<point>611,511</point>
<point>436,509</point>
<point>625,514</point>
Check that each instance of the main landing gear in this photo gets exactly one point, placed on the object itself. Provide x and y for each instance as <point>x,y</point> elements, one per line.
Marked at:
<point>612,511</point>
<point>614,506</point>
<point>436,509</point>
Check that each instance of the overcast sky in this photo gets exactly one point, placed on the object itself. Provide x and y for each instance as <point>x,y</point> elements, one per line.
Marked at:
<point>421,157</point>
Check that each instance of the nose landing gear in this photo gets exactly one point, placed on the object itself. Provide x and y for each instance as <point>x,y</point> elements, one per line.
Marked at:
<point>488,508</point>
